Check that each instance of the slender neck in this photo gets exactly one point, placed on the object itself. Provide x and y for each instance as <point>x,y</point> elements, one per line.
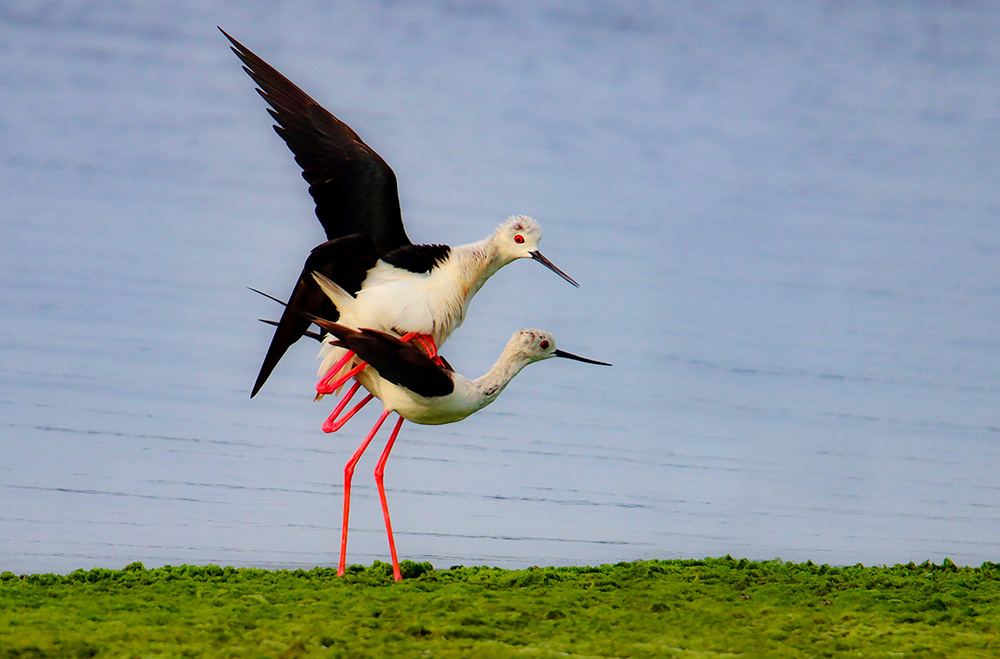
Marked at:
<point>476,263</point>
<point>500,374</point>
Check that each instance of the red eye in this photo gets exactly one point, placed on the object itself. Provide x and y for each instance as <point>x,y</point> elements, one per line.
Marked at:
<point>544,345</point>
<point>518,239</point>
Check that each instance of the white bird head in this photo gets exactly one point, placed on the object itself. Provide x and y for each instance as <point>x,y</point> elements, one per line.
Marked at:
<point>532,345</point>
<point>518,238</point>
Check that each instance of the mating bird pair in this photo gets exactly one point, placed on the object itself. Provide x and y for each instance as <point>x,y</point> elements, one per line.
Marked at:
<point>385,304</point>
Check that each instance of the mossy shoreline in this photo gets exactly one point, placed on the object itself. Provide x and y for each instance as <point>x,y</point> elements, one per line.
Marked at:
<point>673,608</point>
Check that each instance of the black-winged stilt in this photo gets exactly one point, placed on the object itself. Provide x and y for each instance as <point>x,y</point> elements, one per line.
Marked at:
<point>421,390</point>
<point>368,254</point>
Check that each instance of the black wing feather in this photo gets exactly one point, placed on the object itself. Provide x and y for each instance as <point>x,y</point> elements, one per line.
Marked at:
<point>354,189</point>
<point>399,362</point>
<point>345,261</point>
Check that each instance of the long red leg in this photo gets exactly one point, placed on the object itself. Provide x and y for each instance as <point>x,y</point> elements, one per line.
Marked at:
<point>379,473</point>
<point>426,340</point>
<point>348,473</point>
<point>324,386</point>
<point>330,420</point>
<point>334,426</point>
<point>325,380</point>
<point>428,343</point>
<point>327,384</point>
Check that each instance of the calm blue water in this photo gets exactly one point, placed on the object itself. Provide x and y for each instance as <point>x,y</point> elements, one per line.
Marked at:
<point>784,221</point>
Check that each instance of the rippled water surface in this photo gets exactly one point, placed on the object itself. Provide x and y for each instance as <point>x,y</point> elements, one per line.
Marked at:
<point>784,221</point>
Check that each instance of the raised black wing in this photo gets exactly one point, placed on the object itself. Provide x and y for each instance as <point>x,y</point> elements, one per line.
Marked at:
<point>354,189</point>
<point>345,261</point>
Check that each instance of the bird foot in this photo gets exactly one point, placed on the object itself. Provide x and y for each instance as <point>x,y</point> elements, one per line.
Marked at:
<point>330,382</point>
<point>425,341</point>
<point>332,423</point>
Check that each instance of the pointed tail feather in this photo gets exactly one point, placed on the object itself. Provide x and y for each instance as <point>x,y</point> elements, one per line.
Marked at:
<point>341,298</point>
<point>311,334</point>
<point>333,328</point>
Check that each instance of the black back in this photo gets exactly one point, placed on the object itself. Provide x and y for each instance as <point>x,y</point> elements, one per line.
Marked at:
<point>417,258</point>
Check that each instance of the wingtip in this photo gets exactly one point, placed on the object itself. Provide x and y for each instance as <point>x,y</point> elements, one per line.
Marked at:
<point>235,46</point>
<point>261,378</point>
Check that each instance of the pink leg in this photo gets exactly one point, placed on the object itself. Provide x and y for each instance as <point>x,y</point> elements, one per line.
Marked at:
<point>324,386</point>
<point>330,420</point>
<point>427,341</point>
<point>348,473</point>
<point>424,340</point>
<point>379,473</point>
<point>334,426</point>
<point>325,380</point>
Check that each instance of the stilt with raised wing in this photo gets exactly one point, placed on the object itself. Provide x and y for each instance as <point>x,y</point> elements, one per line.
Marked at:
<point>368,254</point>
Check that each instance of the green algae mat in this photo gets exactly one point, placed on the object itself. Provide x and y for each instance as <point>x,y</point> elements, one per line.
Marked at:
<point>704,608</point>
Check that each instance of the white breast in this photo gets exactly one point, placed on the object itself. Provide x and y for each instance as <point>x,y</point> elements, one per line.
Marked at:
<point>395,300</point>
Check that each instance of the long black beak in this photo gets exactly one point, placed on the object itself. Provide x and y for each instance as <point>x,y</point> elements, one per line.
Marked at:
<point>552,266</point>
<point>570,355</point>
